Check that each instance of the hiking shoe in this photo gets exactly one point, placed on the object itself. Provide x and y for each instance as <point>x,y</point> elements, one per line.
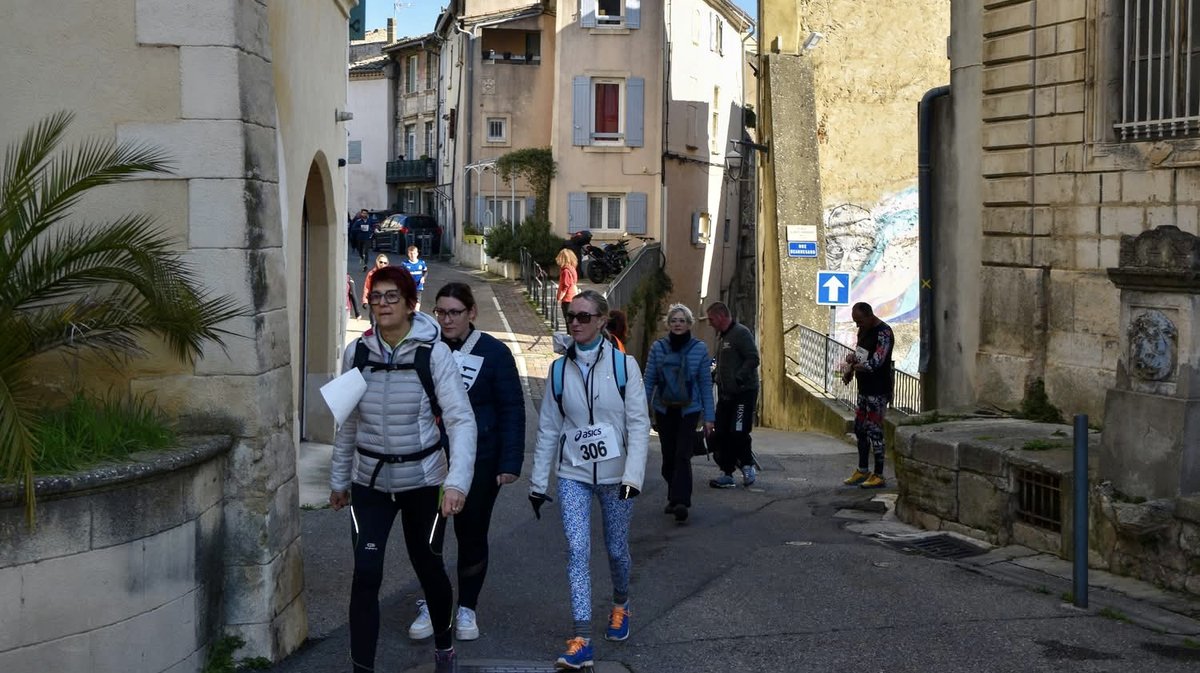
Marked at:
<point>578,655</point>
<point>422,626</point>
<point>723,481</point>
<point>465,626</point>
<point>445,661</point>
<point>874,481</point>
<point>680,512</point>
<point>857,478</point>
<point>749,475</point>
<point>669,509</point>
<point>618,623</point>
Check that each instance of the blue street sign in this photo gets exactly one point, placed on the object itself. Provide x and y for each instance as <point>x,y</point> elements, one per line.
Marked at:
<point>802,249</point>
<point>833,288</point>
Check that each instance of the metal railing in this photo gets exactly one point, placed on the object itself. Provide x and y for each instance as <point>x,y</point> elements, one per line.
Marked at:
<point>1159,97</point>
<point>541,289</point>
<point>415,170</point>
<point>818,359</point>
<point>645,260</point>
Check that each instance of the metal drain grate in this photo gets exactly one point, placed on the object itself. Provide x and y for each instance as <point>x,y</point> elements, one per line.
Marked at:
<point>938,546</point>
<point>506,667</point>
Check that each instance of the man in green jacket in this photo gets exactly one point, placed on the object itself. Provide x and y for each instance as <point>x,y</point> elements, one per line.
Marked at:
<point>737,395</point>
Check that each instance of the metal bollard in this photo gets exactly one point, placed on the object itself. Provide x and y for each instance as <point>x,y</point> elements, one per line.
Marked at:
<point>1079,515</point>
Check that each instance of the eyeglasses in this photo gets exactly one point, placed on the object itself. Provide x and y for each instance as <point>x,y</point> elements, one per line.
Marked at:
<point>440,313</point>
<point>389,297</point>
<point>582,318</point>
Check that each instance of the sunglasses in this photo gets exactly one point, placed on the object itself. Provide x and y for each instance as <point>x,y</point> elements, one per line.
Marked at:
<point>389,297</point>
<point>582,318</point>
<point>448,312</point>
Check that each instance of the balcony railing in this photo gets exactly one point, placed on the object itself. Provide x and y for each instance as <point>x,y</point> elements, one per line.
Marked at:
<point>416,170</point>
<point>819,358</point>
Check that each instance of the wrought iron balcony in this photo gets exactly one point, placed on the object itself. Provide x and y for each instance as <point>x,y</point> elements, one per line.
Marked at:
<point>416,170</point>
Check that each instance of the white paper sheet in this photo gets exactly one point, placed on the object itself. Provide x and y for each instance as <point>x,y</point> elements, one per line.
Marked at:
<point>343,393</point>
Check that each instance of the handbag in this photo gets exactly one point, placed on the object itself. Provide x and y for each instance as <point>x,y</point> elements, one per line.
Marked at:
<point>700,445</point>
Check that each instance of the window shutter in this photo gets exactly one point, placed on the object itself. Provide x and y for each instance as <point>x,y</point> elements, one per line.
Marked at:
<point>580,112</point>
<point>577,212</point>
<point>635,213</point>
<point>529,204</point>
<point>633,13</point>
<point>695,228</point>
<point>480,211</point>
<point>635,102</point>
<point>587,13</point>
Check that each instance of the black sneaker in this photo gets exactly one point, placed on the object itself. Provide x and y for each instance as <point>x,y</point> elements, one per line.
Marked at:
<point>681,513</point>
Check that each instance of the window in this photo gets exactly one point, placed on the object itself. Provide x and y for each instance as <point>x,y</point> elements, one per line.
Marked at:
<point>430,150</point>
<point>497,130</point>
<point>410,141</point>
<point>605,212</point>
<point>431,67</point>
<point>410,75</point>
<point>610,13</point>
<point>696,25</point>
<point>717,38</point>
<point>1160,63</point>
<point>606,109</point>
<point>506,209</point>
<point>354,152</point>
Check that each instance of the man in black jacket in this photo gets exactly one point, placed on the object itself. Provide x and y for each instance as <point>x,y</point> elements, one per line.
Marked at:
<point>737,394</point>
<point>871,366</point>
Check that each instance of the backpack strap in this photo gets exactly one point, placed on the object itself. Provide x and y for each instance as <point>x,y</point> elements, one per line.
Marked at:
<point>421,363</point>
<point>620,371</point>
<point>361,355</point>
<point>556,382</point>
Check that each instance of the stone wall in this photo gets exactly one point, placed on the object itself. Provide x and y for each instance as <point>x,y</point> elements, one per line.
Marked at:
<point>124,571</point>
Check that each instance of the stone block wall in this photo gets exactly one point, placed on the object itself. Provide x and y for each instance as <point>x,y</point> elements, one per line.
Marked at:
<point>1059,189</point>
<point>124,571</point>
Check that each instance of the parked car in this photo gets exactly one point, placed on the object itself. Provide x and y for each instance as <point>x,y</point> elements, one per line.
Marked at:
<point>399,231</point>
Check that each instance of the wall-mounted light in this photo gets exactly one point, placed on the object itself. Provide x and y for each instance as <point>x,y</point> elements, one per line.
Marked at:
<point>739,158</point>
<point>812,41</point>
<point>342,116</point>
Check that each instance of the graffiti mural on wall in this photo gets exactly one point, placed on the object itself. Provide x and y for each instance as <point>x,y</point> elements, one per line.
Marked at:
<point>878,246</point>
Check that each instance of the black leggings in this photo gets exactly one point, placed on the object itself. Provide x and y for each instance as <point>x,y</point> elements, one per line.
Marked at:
<point>471,530</point>
<point>677,432</point>
<point>373,513</point>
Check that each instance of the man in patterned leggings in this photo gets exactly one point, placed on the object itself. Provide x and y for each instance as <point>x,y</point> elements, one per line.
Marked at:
<point>871,365</point>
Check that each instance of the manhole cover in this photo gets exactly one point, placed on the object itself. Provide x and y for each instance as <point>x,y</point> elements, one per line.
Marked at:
<point>938,546</point>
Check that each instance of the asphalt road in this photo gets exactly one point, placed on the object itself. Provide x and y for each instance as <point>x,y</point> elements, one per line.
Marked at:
<point>761,579</point>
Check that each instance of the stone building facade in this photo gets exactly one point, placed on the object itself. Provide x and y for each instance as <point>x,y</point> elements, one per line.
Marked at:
<point>1071,157</point>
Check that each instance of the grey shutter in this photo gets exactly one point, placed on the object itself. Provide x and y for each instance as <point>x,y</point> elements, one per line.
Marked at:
<point>633,13</point>
<point>587,13</point>
<point>529,204</point>
<point>480,210</point>
<point>581,114</point>
<point>695,228</point>
<point>635,102</point>
<point>577,212</point>
<point>635,213</point>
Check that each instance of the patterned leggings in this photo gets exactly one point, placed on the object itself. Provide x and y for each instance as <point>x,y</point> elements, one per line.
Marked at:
<point>576,504</point>
<point>868,429</point>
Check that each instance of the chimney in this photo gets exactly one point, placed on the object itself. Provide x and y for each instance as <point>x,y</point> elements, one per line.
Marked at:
<point>391,34</point>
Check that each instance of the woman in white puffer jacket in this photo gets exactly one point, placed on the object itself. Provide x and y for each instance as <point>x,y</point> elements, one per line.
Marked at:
<point>391,445</point>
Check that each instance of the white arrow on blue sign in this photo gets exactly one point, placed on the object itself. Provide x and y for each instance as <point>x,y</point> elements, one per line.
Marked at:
<point>833,288</point>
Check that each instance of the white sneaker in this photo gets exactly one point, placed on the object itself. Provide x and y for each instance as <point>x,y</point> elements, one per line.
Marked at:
<point>422,626</point>
<point>465,627</point>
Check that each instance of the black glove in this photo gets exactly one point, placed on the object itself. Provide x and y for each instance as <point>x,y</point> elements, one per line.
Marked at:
<point>628,492</point>
<point>537,500</point>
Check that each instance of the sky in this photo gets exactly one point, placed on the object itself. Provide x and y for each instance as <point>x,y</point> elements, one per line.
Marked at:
<point>416,17</point>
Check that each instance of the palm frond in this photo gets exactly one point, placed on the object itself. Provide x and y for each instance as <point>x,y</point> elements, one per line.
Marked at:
<point>18,422</point>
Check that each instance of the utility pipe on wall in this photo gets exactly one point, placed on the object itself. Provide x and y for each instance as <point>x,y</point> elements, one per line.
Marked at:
<point>925,234</point>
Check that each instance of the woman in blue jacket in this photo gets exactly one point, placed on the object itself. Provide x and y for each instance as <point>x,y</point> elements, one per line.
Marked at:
<point>494,387</point>
<point>679,386</point>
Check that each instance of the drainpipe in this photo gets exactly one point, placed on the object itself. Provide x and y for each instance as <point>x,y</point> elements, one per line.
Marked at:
<point>468,123</point>
<point>925,234</point>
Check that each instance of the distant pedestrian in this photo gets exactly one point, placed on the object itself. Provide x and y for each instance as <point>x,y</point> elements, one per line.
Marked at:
<point>351,303</point>
<point>361,231</point>
<point>593,431</point>
<point>679,386</point>
<point>618,328</point>
<point>381,261</point>
<point>418,268</point>
<point>736,377</point>
<point>388,460</point>
<point>568,280</point>
<point>871,365</point>
<point>494,387</point>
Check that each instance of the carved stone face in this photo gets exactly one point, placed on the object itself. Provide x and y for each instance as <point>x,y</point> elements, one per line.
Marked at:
<point>1152,342</point>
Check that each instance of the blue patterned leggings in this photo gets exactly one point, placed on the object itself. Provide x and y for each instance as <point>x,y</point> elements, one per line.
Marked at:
<point>576,504</point>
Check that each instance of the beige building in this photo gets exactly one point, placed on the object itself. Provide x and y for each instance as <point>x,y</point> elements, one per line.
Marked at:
<point>369,97</point>
<point>246,97</point>
<point>411,166</point>
<point>1075,122</point>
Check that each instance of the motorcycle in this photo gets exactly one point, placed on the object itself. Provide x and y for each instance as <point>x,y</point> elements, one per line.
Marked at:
<point>606,262</point>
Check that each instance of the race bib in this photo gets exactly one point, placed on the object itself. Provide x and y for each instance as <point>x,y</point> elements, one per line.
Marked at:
<point>469,365</point>
<point>364,227</point>
<point>592,444</point>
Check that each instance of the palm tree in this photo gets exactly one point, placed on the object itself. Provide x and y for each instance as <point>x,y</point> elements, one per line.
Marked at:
<point>94,286</point>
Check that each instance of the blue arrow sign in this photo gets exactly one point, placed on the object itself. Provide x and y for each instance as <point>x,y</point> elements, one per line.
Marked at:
<point>802,249</point>
<point>833,288</point>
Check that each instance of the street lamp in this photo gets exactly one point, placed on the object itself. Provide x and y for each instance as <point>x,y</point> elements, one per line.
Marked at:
<point>739,164</point>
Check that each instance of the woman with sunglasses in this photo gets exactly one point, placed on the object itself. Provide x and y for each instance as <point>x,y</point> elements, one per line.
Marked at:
<point>494,387</point>
<point>593,430</point>
<point>388,460</point>
<point>568,279</point>
<point>380,261</point>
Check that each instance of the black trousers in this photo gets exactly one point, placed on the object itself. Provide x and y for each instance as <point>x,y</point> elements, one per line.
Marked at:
<point>361,246</point>
<point>565,305</point>
<point>735,420</point>
<point>677,433</point>
<point>373,514</point>
<point>471,530</point>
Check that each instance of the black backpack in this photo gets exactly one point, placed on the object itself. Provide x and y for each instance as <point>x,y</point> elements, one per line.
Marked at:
<point>420,363</point>
<point>674,389</point>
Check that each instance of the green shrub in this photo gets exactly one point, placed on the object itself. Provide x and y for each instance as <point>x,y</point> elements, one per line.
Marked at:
<point>504,242</point>
<point>88,431</point>
<point>471,229</point>
<point>1037,407</point>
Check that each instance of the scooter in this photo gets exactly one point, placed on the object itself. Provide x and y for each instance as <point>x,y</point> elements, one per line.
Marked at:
<point>606,262</point>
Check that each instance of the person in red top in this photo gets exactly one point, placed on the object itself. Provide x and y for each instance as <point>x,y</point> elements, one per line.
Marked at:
<point>380,262</point>
<point>568,278</point>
